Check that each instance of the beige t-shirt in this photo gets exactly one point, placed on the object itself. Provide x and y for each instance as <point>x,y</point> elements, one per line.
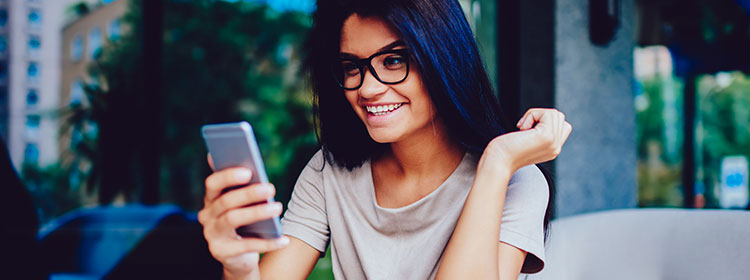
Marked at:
<point>332,204</point>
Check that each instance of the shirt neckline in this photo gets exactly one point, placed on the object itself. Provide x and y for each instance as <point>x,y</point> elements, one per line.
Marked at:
<point>371,186</point>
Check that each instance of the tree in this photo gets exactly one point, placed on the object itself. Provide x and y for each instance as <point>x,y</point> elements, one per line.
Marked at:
<point>221,61</point>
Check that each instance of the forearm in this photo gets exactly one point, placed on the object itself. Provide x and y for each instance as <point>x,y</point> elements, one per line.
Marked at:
<point>472,252</point>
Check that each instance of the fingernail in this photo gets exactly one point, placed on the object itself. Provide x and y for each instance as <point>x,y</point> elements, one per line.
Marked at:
<point>273,207</point>
<point>282,241</point>
<point>242,175</point>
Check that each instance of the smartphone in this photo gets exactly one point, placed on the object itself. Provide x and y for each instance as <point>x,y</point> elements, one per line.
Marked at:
<point>234,145</point>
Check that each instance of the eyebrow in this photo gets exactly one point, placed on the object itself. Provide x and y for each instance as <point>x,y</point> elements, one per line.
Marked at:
<point>384,48</point>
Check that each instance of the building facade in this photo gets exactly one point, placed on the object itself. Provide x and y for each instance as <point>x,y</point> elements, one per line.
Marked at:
<point>82,40</point>
<point>37,72</point>
<point>30,78</point>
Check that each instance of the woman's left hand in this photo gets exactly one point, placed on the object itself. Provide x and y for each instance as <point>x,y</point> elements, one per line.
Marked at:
<point>532,144</point>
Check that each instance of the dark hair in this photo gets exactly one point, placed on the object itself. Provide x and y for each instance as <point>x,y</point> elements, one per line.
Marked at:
<point>442,46</point>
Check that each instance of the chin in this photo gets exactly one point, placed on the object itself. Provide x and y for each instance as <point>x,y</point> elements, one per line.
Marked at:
<point>383,138</point>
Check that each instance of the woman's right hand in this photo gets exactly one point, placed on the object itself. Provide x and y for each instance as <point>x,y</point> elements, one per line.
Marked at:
<point>223,213</point>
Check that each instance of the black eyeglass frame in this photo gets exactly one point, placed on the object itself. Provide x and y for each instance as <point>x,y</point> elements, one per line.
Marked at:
<point>367,62</point>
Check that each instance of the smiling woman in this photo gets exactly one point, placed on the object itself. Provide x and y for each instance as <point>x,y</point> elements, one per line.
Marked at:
<point>417,177</point>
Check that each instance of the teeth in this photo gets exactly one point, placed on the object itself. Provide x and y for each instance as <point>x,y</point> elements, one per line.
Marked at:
<point>382,109</point>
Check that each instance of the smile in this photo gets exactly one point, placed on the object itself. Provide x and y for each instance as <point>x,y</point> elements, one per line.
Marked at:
<point>382,109</point>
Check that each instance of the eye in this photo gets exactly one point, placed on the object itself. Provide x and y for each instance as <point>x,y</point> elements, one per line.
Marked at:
<point>349,68</point>
<point>394,62</point>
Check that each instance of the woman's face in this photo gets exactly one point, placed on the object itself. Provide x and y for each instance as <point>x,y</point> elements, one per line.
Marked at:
<point>391,112</point>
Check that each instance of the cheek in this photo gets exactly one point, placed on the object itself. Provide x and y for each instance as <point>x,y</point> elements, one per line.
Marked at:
<point>352,98</point>
<point>419,98</point>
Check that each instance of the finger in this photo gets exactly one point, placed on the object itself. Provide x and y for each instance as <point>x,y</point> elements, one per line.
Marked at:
<point>543,118</point>
<point>210,162</point>
<point>567,129</point>
<point>238,217</point>
<point>520,121</point>
<point>242,197</point>
<point>534,115</point>
<point>222,179</point>
<point>235,247</point>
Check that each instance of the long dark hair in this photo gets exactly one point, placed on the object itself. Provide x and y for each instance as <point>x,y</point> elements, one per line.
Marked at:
<point>441,45</point>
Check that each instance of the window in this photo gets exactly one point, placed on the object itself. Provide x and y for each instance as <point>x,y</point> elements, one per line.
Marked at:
<point>32,98</point>
<point>76,92</point>
<point>95,43</point>
<point>33,72</point>
<point>3,18</point>
<point>35,45</point>
<point>32,126</point>
<point>114,30</point>
<point>722,139</point>
<point>35,18</point>
<point>76,49</point>
<point>3,44</point>
<point>3,72</point>
<point>658,107</point>
<point>31,153</point>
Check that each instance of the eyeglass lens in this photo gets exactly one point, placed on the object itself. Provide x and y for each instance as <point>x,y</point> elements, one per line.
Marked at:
<point>389,68</point>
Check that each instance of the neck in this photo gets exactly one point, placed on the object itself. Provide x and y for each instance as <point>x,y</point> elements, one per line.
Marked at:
<point>425,153</point>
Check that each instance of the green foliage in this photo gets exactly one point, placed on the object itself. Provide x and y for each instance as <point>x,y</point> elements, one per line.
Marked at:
<point>659,174</point>
<point>222,62</point>
<point>725,117</point>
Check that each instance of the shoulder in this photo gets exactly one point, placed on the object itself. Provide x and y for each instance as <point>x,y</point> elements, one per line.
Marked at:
<point>528,183</point>
<point>319,168</point>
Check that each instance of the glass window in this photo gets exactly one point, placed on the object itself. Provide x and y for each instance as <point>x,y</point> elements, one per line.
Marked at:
<point>3,18</point>
<point>658,107</point>
<point>32,126</point>
<point>3,44</point>
<point>722,140</point>
<point>95,43</point>
<point>32,97</point>
<point>3,71</point>
<point>31,153</point>
<point>33,72</point>
<point>35,45</point>
<point>114,30</point>
<point>76,49</point>
<point>35,18</point>
<point>76,92</point>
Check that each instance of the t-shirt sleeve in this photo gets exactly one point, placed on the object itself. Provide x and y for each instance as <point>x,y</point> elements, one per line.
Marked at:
<point>305,217</point>
<point>523,216</point>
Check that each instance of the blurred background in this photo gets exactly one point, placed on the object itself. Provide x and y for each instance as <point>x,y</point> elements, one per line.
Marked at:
<point>101,104</point>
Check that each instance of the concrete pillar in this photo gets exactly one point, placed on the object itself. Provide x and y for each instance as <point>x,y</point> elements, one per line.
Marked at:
<point>594,88</point>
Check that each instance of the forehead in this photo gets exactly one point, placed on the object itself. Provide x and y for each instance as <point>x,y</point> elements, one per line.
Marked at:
<point>363,36</point>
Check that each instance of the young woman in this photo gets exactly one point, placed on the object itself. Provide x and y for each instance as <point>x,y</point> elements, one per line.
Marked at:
<point>416,178</point>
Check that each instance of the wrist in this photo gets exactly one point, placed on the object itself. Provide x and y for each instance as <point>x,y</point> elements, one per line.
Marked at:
<point>496,162</point>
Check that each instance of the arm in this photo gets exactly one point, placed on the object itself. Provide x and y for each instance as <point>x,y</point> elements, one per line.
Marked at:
<point>474,251</point>
<point>277,264</point>
<point>469,254</point>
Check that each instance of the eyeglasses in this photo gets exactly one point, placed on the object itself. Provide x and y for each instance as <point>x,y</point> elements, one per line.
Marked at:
<point>389,67</point>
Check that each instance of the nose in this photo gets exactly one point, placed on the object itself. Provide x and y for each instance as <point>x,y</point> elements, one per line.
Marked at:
<point>371,87</point>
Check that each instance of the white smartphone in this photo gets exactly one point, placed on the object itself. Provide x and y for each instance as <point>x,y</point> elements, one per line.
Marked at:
<point>234,145</point>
